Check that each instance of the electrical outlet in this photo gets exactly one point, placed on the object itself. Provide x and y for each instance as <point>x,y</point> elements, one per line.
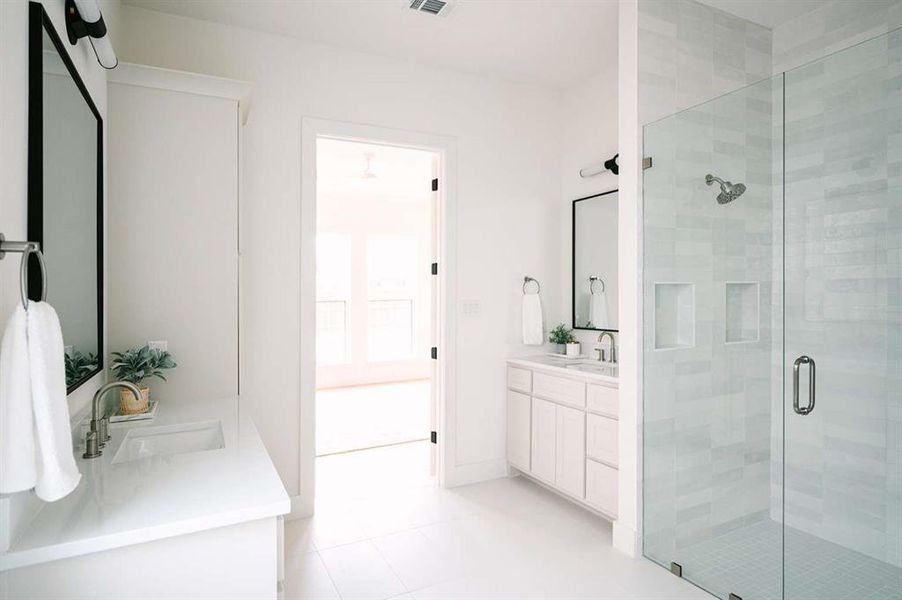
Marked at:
<point>163,345</point>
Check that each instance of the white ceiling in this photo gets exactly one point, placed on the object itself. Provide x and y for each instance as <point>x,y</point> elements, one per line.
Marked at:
<point>549,42</point>
<point>770,13</point>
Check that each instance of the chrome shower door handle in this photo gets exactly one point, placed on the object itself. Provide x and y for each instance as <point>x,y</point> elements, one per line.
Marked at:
<point>796,367</point>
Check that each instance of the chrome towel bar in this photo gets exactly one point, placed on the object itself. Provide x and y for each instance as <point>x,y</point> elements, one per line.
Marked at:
<point>26,249</point>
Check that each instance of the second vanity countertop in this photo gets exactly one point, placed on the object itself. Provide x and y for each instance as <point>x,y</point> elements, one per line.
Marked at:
<point>590,370</point>
<point>158,497</point>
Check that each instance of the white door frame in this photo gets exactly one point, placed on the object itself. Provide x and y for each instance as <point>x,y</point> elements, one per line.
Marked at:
<point>446,148</point>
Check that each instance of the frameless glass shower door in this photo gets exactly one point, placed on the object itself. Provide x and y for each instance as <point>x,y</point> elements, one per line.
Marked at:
<point>773,334</point>
<point>712,350</point>
<point>843,325</point>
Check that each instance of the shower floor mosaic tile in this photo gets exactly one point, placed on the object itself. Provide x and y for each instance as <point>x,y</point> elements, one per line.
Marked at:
<point>748,563</point>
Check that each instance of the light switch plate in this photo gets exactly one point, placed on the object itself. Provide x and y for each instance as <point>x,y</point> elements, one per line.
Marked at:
<point>161,345</point>
<point>470,308</point>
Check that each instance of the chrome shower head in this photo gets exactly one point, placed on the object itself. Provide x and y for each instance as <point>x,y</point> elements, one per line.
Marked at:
<point>728,191</point>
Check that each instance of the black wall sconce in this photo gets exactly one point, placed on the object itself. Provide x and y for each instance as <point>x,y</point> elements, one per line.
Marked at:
<point>597,169</point>
<point>83,19</point>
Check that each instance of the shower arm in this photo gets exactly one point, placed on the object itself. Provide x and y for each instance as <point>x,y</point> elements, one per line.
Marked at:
<point>710,179</point>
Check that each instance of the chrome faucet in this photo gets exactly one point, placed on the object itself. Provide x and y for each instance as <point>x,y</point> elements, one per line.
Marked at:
<point>600,350</point>
<point>99,435</point>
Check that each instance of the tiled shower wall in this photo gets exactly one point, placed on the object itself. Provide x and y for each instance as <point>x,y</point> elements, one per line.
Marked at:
<point>834,26</point>
<point>690,53</point>
<point>707,407</point>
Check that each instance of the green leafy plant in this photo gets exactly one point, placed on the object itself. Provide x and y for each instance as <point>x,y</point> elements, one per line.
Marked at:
<point>561,335</point>
<point>140,363</point>
<point>78,365</point>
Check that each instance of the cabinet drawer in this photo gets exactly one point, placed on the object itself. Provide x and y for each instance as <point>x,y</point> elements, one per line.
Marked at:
<point>519,379</point>
<point>601,487</point>
<point>603,399</point>
<point>601,438</point>
<point>560,389</point>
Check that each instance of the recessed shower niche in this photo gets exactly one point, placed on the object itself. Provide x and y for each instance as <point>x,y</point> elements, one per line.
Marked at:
<point>674,316</point>
<point>742,312</point>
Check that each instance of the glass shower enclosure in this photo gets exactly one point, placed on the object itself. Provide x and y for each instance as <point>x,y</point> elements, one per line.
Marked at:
<point>772,351</point>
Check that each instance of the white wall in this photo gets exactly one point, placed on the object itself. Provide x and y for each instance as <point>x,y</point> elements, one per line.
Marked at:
<point>508,214</point>
<point>588,135</point>
<point>172,252</point>
<point>14,173</point>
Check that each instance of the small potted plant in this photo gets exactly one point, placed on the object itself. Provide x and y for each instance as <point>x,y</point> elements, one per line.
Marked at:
<point>563,337</point>
<point>78,365</point>
<point>135,365</point>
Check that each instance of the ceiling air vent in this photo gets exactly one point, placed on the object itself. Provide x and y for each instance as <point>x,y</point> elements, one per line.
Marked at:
<point>432,7</point>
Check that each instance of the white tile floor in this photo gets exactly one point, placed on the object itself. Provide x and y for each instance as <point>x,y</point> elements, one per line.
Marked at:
<point>365,416</point>
<point>507,538</point>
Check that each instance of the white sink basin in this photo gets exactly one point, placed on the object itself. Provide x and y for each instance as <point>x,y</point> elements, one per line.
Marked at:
<point>593,367</point>
<point>167,440</point>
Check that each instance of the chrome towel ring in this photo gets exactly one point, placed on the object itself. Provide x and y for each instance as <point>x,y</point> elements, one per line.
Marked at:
<point>592,281</point>
<point>26,248</point>
<point>527,280</point>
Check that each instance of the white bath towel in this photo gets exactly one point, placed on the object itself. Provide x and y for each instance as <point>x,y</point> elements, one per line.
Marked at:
<point>598,310</point>
<point>57,473</point>
<point>18,464</point>
<point>533,326</point>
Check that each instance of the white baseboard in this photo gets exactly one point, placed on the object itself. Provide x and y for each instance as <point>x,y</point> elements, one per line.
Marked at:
<point>475,472</point>
<point>626,539</point>
<point>301,508</point>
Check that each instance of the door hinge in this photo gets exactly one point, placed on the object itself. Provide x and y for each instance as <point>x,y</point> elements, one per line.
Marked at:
<point>734,596</point>
<point>434,353</point>
<point>646,163</point>
<point>435,185</point>
<point>676,569</point>
<point>435,268</point>
<point>433,437</point>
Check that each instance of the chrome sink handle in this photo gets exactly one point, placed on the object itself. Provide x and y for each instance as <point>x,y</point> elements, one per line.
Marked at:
<point>812,376</point>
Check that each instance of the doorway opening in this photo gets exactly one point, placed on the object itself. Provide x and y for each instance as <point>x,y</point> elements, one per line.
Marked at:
<point>376,315</point>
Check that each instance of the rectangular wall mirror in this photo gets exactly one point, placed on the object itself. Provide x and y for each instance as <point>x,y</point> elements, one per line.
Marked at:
<point>65,196</point>
<point>595,262</point>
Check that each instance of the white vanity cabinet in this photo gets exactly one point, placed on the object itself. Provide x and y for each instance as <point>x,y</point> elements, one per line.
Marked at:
<point>519,410</point>
<point>562,430</point>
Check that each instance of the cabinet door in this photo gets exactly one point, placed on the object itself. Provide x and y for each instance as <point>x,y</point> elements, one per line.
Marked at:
<point>570,450</point>
<point>601,487</point>
<point>543,436</point>
<point>518,429</point>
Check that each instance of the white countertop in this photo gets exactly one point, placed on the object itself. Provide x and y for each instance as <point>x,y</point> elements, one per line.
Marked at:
<point>161,496</point>
<point>591,370</point>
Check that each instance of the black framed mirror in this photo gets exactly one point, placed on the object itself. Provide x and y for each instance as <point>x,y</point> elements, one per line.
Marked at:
<point>594,262</point>
<point>65,195</point>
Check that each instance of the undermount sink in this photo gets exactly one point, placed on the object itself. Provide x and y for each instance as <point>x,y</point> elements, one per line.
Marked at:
<point>594,367</point>
<point>167,440</point>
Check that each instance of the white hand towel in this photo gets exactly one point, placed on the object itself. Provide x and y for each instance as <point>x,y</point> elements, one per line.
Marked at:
<point>18,465</point>
<point>533,327</point>
<point>57,473</point>
<point>598,310</point>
